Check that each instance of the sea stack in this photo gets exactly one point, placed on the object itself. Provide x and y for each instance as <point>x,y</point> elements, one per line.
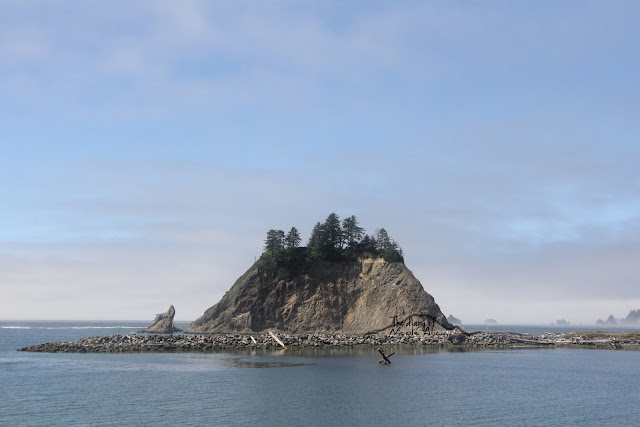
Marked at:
<point>366,294</point>
<point>454,320</point>
<point>163,323</point>
<point>343,281</point>
<point>633,318</point>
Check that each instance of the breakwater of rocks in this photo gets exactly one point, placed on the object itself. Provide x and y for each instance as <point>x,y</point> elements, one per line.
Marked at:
<point>457,339</point>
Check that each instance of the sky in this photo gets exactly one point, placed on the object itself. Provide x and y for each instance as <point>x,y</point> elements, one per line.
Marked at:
<point>147,147</point>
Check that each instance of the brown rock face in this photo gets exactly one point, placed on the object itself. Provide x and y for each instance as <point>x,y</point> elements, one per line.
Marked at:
<point>163,323</point>
<point>369,294</point>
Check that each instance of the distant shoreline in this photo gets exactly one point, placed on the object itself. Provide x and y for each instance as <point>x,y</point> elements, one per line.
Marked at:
<point>135,343</point>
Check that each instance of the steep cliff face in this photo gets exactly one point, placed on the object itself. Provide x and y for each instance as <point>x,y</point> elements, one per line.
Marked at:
<point>368,294</point>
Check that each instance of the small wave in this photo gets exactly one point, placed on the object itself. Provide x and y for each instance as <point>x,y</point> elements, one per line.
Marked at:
<point>97,327</point>
<point>72,327</point>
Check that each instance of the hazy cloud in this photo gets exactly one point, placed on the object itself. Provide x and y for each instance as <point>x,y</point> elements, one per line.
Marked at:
<point>147,148</point>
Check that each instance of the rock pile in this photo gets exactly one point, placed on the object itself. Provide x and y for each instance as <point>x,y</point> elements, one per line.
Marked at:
<point>454,339</point>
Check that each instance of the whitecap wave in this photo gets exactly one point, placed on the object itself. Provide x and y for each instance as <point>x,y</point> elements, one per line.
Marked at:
<point>96,327</point>
<point>72,327</point>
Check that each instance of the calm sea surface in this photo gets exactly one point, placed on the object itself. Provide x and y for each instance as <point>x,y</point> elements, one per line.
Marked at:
<point>323,388</point>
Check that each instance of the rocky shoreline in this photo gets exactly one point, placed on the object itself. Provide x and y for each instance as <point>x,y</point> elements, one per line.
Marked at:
<point>460,339</point>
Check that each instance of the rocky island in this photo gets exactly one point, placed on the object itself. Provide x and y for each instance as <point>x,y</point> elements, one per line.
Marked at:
<point>359,296</point>
<point>344,289</point>
<point>632,319</point>
<point>343,281</point>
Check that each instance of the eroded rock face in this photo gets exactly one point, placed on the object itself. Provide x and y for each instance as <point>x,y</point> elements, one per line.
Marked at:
<point>163,323</point>
<point>369,294</point>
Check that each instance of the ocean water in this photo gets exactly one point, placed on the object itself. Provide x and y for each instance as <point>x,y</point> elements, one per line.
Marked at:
<point>309,387</point>
<point>537,329</point>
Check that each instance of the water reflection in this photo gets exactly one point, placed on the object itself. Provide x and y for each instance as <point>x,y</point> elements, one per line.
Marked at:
<point>277,358</point>
<point>352,351</point>
<point>243,362</point>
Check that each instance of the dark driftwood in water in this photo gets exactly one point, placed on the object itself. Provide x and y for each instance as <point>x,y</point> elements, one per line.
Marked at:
<point>385,357</point>
<point>202,342</point>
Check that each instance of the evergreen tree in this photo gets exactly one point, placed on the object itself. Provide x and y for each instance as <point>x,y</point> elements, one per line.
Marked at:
<point>333,231</point>
<point>317,237</point>
<point>367,244</point>
<point>292,239</point>
<point>331,240</point>
<point>383,242</point>
<point>280,239</point>
<point>387,247</point>
<point>274,241</point>
<point>352,232</point>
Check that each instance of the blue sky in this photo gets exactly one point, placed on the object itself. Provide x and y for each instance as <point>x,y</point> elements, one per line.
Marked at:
<point>146,148</point>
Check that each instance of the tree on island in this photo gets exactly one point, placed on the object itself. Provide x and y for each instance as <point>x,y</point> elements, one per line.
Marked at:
<point>274,242</point>
<point>331,240</point>
<point>292,239</point>
<point>367,244</point>
<point>351,232</point>
<point>333,231</point>
<point>387,247</point>
<point>383,242</point>
<point>326,239</point>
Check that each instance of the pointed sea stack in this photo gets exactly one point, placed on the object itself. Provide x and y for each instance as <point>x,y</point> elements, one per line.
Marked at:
<point>361,295</point>
<point>633,318</point>
<point>163,323</point>
<point>454,320</point>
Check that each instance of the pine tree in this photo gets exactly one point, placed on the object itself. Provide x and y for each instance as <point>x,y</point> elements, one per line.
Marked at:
<point>274,241</point>
<point>292,239</point>
<point>352,232</point>
<point>333,231</point>
<point>383,242</point>
<point>367,244</point>
<point>317,237</point>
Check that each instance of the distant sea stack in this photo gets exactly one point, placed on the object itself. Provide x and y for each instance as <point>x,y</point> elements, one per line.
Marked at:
<point>611,321</point>
<point>633,318</point>
<point>350,283</point>
<point>454,320</point>
<point>163,323</point>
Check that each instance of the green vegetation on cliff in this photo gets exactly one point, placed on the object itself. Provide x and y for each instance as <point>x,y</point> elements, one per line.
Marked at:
<point>331,240</point>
